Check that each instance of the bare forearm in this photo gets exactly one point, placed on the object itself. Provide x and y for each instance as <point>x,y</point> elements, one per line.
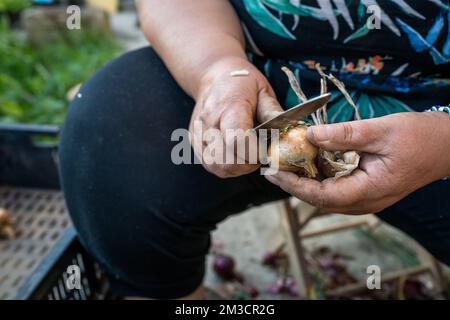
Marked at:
<point>442,128</point>
<point>190,36</point>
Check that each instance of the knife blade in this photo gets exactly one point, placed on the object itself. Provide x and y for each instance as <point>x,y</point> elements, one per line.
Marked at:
<point>295,114</point>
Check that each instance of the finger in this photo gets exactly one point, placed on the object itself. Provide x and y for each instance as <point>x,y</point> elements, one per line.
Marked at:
<point>230,171</point>
<point>236,126</point>
<point>215,159</point>
<point>196,137</point>
<point>364,135</point>
<point>237,116</point>
<point>268,106</point>
<point>339,194</point>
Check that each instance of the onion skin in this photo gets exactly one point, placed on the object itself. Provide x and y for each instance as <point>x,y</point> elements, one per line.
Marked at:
<point>337,164</point>
<point>325,167</point>
<point>294,152</point>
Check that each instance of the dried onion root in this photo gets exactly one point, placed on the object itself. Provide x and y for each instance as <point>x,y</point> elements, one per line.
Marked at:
<point>296,154</point>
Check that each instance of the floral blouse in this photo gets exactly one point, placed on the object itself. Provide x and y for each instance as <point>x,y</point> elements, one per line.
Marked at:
<point>393,55</point>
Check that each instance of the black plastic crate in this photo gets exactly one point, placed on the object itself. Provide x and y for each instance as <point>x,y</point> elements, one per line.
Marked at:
<point>34,265</point>
<point>26,159</point>
<point>49,281</point>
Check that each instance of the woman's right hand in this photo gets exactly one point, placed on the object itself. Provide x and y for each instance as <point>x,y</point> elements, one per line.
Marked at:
<point>201,42</point>
<point>225,102</point>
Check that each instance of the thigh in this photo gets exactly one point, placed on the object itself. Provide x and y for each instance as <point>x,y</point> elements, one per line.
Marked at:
<point>145,219</point>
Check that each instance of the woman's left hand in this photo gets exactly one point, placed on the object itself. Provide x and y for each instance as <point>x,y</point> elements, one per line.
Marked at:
<point>400,153</point>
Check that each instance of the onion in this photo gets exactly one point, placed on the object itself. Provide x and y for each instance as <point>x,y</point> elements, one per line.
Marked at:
<point>269,259</point>
<point>5,217</point>
<point>294,152</point>
<point>224,266</point>
<point>6,224</point>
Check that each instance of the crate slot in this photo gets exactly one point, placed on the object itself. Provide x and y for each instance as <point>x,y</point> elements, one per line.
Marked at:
<point>38,231</point>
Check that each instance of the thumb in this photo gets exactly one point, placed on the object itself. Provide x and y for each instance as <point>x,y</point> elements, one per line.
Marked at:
<point>268,107</point>
<point>363,135</point>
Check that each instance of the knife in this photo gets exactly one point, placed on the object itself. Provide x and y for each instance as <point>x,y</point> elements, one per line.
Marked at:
<point>295,114</point>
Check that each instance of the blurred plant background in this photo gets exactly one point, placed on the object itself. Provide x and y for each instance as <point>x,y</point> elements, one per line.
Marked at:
<point>35,79</point>
<point>14,5</point>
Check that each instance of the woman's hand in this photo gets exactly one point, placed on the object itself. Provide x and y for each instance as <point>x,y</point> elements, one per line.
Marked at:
<point>201,42</point>
<point>226,102</point>
<point>400,153</point>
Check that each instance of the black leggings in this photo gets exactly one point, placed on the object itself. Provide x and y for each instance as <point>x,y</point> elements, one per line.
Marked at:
<point>147,221</point>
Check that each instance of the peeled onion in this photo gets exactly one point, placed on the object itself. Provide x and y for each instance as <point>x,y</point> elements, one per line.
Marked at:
<point>293,152</point>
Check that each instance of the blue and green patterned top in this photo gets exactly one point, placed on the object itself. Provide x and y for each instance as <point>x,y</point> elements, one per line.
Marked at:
<point>393,55</point>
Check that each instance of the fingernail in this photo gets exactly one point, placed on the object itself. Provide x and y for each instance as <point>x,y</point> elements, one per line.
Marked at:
<point>317,134</point>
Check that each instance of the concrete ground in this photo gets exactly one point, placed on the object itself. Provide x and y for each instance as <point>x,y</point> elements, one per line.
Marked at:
<point>126,29</point>
<point>248,236</point>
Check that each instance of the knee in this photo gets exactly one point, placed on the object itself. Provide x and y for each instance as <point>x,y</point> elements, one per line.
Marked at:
<point>132,90</point>
<point>115,85</point>
<point>125,112</point>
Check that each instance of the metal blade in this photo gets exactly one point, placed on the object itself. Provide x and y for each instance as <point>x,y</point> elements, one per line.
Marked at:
<point>295,114</point>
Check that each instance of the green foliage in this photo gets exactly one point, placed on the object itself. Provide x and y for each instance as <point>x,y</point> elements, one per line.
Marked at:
<point>34,81</point>
<point>14,5</point>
